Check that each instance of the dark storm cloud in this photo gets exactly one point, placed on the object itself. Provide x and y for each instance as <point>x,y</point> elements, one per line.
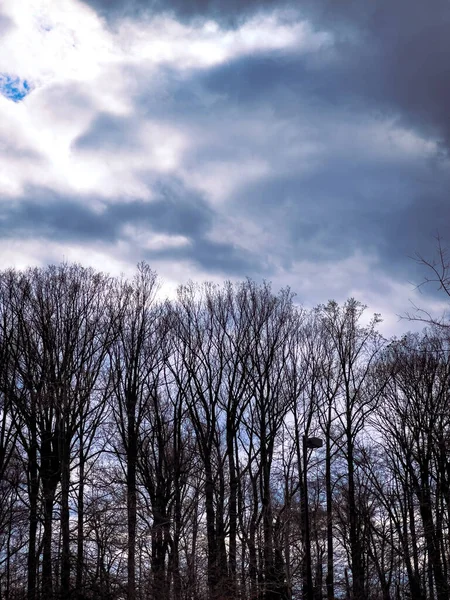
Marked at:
<point>396,54</point>
<point>215,257</point>
<point>245,79</point>
<point>229,12</point>
<point>385,202</point>
<point>56,219</point>
<point>179,212</point>
<point>109,132</point>
<point>355,199</point>
<point>390,54</point>
<point>389,61</point>
<point>383,211</point>
<point>394,58</point>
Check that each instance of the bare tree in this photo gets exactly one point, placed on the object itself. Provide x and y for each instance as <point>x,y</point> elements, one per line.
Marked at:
<point>356,348</point>
<point>201,378</point>
<point>156,449</point>
<point>135,363</point>
<point>57,348</point>
<point>438,276</point>
<point>415,425</point>
<point>273,318</point>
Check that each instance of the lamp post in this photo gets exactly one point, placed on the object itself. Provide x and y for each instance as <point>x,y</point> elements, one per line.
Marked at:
<point>308,443</point>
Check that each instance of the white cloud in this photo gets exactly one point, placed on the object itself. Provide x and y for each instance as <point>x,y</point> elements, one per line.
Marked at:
<point>67,41</point>
<point>218,179</point>
<point>62,40</point>
<point>78,69</point>
<point>149,240</point>
<point>108,173</point>
<point>165,41</point>
<point>38,252</point>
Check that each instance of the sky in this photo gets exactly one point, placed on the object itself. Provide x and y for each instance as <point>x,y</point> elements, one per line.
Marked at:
<point>305,143</point>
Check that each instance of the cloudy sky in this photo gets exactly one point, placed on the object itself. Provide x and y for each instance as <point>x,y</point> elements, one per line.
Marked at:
<point>305,143</point>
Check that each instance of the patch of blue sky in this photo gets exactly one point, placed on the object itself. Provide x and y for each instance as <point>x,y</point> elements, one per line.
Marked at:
<point>14,88</point>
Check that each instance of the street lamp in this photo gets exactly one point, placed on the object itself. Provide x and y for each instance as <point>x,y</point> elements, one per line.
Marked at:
<point>311,443</point>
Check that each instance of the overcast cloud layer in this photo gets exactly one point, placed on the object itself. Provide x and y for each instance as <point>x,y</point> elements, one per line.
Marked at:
<point>304,143</point>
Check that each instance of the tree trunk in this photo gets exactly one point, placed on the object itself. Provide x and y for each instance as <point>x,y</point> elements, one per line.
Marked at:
<point>329,495</point>
<point>253,562</point>
<point>47,579</point>
<point>211,529</point>
<point>80,524</point>
<point>159,549</point>
<point>33,491</point>
<point>355,542</point>
<point>434,555</point>
<point>65,523</point>
<point>232,551</point>
<point>50,467</point>
<point>131,500</point>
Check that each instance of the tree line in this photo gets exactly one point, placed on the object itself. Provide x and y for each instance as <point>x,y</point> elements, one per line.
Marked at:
<point>156,449</point>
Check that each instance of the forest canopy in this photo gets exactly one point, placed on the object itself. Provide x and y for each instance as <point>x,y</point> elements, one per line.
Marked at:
<point>163,449</point>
